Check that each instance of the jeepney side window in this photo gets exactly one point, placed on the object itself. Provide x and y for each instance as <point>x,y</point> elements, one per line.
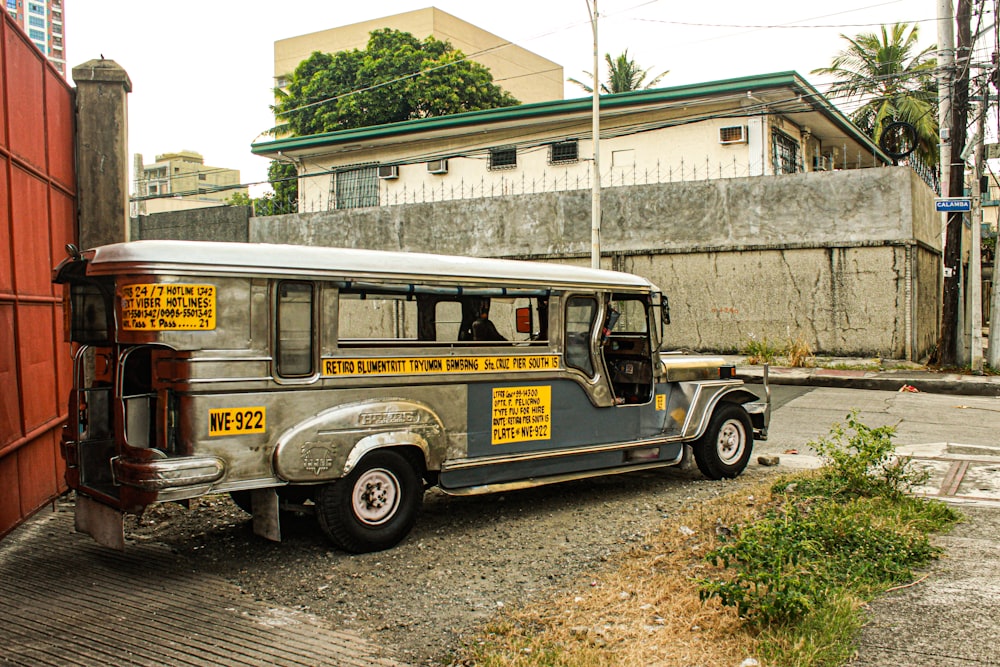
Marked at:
<point>580,312</point>
<point>633,315</point>
<point>294,329</point>
<point>368,317</point>
<point>89,313</point>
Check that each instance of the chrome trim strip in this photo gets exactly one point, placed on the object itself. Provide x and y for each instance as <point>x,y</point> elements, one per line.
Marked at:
<point>480,461</point>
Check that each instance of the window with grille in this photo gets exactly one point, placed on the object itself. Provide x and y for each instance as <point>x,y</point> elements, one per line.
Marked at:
<point>357,188</point>
<point>784,154</point>
<point>503,158</point>
<point>564,151</point>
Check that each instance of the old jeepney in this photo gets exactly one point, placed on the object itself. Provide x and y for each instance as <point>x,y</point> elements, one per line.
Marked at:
<point>346,382</point>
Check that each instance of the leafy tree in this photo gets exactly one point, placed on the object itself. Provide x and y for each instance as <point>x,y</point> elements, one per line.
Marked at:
<point>880,71</point>
<point>284,181</point>
<point>396,77</point>
<point>624,74</point>
<point>284,199</point>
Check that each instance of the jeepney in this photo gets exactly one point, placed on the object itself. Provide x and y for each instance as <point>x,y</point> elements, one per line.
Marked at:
<point>346,382</point>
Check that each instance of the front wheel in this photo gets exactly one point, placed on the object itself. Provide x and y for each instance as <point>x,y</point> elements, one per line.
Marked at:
<point>374,507</point>
<point>724,449</point>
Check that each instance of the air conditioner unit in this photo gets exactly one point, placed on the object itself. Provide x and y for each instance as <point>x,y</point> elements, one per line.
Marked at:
<point>734,134</point>
<point>437,166</point>
<point>821,163</point>
<point>388,172</point>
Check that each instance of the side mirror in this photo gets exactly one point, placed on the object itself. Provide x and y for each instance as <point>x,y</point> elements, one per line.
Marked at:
<point>665,309</point>
<point>523,319</point>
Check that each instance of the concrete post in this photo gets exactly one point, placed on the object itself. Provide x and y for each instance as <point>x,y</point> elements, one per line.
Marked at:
<point>102,87</point>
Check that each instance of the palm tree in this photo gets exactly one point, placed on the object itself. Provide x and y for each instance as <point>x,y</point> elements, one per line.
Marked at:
<point>891,84</point>
<point>624,74</point>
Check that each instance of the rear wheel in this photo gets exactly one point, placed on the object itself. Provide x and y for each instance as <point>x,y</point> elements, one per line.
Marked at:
<point>374,507</point>
<point>725,447</point>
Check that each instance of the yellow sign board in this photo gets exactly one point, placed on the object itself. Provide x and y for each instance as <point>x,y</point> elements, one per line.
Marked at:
<point>522,413</point>
<point>661,402</point>
<point>430,365</point>
<point>236,421</point>
<point>167,307</point>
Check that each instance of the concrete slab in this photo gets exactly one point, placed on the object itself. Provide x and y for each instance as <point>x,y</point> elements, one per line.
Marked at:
<point>959,473</point>
<point>69,601</point>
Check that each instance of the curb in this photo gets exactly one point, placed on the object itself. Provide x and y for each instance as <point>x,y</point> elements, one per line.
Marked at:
<point>972,386</point>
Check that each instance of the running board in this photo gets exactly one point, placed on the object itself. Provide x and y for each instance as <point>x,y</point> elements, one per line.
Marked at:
<point>500,487</point>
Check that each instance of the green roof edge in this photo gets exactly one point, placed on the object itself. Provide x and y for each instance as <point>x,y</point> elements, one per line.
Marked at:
<point>540,109</point>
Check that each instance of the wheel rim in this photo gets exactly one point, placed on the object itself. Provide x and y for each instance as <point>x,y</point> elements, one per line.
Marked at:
<point>376,496</point>
<point>732,441</point>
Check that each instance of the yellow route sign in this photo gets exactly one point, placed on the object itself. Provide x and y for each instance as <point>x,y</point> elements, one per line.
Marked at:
<point>522,413</point>
<point>167,307</point>
<point>427,365</point>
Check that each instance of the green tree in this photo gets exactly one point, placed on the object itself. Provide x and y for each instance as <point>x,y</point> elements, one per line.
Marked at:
<point>284,199</point>
<point>624,74</point>
<point>396,77</point>
<point>891,83</point>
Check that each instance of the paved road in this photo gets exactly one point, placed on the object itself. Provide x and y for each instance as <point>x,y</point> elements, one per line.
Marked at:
<point>52,579</point>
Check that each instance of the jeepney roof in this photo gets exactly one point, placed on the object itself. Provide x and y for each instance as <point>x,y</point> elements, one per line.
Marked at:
<point>215,258</point>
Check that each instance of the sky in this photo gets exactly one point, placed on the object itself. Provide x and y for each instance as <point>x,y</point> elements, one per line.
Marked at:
<point>202,70</point>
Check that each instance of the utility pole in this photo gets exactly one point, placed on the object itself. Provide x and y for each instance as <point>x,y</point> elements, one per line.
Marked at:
<point>975,255</point>
<point>595,204</point>
<point>948,339</point>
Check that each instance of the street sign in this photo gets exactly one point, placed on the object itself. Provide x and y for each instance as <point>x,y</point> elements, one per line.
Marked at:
<point>953,205</point>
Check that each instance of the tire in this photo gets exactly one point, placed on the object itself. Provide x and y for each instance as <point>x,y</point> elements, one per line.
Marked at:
<point>374,507</point>
<point>724,450</point>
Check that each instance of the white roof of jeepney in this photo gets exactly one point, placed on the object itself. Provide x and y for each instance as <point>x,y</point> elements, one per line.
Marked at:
<point>214,258</point>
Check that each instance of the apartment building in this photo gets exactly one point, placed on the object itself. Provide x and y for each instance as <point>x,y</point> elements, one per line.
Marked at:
<point>181,181</point>
<point>43,21</point>
<point>527,76</point>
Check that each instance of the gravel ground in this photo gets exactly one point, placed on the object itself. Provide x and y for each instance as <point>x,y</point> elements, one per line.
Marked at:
<point>465,559</point>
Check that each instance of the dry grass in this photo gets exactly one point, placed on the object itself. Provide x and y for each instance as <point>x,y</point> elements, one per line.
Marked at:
<point>800,355</point>
<point>643,611</point>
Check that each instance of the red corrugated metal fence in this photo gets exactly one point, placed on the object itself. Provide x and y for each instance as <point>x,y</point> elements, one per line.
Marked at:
<point>37,220</point>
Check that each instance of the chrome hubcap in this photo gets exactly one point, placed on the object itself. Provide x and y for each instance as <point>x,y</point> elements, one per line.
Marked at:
<point>376,496</point>
<point>732,440</point>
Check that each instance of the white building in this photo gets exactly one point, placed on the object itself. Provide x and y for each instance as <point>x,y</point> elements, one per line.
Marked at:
<point>751,126</point>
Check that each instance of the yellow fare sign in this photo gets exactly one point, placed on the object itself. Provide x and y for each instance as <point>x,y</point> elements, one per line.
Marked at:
<point>430,365</point>
<point>236,421</point>
<point>521,414</point>
<point>167,307</point>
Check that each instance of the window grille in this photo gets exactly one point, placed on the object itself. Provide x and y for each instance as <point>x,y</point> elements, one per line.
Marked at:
<point>564,151</point>
<point>503,158</point>
<point>784,154</point>
<point>357,188</point>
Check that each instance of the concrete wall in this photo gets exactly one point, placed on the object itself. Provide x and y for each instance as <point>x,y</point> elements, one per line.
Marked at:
<point>847,261</point>
<point>221,223</point>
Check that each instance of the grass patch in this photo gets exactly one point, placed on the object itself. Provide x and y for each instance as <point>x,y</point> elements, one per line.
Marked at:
<point>778,571</point>
<point>760,351</point>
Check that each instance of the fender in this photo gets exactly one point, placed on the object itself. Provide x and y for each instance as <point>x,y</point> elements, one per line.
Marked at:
<point>328,445</point>
<point>705,397</point>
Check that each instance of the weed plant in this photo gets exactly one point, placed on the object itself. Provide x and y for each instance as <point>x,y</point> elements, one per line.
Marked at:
<point>760,351</point>
<point>826,542</point>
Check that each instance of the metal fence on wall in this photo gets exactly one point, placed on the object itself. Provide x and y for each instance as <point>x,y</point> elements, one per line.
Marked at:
<point>506,183</point>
